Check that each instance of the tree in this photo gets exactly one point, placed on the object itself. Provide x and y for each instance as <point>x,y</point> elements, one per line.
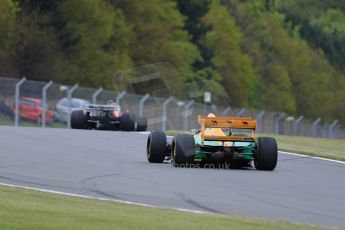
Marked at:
<point>194,10</point>
<point>159,35</point>
<point>223,45</point>
<point>306,69</point>
<point>94,42</point>
<point>8,10</point>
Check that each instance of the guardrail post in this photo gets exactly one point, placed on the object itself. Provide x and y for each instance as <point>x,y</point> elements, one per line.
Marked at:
<point>259,117</point>
<point>17,93</point>
<point>314,127</point>
<point>95,94</point>
<point>69,95</point>
<point>324,130</point>
<point>331,129</point>
<point>141,104</point>
<point>120,96</point>
<point>186,115</point>
<point>296,125</point>
<point>164,113</point>
<point>226,111</point>
<point>241,112</point>
<point>44,102</point>
<point>276,126</point>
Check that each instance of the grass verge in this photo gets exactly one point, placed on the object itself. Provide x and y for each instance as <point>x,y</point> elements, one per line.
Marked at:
<point>320,147</point>
<point>27,209</point>
<point>9,122</point>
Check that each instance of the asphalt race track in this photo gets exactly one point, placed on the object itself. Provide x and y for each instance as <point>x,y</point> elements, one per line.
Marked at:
<point>113,165</point>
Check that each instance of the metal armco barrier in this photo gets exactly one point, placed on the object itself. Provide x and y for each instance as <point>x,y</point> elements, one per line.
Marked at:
<point>16,113</point>
<point>44,102</point>
<point>162,113</point>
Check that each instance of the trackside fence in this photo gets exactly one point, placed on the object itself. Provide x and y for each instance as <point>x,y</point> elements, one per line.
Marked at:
<point>162,113</point>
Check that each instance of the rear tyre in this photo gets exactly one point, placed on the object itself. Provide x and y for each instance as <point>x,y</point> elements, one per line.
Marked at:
<point>183,150</point>
<point>127,122</point>
<point>156,147</point>
<point>266,154</point>
<point>78,119</point>
<point>141,124</point>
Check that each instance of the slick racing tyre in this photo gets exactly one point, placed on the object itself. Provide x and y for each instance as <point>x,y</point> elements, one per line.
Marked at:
<point>266,154</point>
<point>156,147</point>
<point>183,150</point>
<point>78,119</point>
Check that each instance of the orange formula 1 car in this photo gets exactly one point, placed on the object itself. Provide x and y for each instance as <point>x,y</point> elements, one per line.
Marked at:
<point>220,141</point>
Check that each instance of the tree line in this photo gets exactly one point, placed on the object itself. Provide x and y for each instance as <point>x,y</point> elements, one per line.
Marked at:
<point>272,54</point>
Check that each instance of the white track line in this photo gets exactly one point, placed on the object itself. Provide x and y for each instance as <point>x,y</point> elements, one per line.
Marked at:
<point>313,157</point>
<point>104,199</point>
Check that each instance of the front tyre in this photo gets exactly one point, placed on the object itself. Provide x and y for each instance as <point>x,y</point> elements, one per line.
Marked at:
<point>156,147</point>
<point>183,150</point>
<point>266,154</point>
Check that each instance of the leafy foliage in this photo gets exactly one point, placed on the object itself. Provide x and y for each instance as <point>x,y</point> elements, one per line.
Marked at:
<point>294,77</point>
<point>223,45</point>
<point>8,10</point>
<point>271,54</point>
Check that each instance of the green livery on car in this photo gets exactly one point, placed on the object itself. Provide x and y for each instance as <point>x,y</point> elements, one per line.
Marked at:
<point>222,142</point>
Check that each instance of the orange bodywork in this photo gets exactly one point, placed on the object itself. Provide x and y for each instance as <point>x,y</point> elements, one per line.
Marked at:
<point>211,128</point>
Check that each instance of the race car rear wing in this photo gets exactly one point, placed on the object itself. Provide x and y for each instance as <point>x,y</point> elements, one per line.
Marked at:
<point>227,123</point>
<point>103,107</point>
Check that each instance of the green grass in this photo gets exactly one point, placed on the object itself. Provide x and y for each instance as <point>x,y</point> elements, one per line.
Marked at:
<point>321,147</point>
<point>9,122</point>
<point>27,209</point>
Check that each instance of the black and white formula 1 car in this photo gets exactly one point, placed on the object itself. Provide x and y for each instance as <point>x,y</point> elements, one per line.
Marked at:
<point>107,117</point>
